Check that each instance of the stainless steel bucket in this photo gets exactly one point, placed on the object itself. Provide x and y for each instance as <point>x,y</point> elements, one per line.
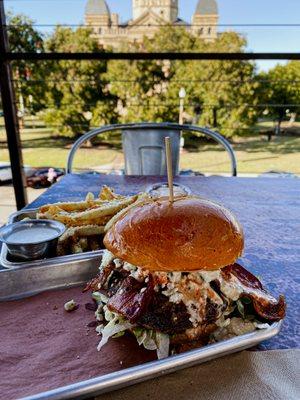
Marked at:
<point>144,151</point>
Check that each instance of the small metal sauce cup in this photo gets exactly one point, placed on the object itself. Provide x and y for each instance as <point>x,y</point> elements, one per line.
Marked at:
<point>36,249</point>
<point>162,190</point>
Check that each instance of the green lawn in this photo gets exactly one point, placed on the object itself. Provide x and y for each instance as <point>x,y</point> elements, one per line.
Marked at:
<point>40,148</point>
<point>254,154</point>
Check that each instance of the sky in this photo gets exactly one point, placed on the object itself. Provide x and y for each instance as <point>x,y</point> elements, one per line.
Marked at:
<point>260,39</point>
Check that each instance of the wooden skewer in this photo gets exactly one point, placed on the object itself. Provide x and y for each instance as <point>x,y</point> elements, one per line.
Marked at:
<point>169,168</point>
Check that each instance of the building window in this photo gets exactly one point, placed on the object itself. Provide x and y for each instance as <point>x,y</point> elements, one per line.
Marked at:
<point>209,31</point>
<point>200,31</point>
<point>100,31</point>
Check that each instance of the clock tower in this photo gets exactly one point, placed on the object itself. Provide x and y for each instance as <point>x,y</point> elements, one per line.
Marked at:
<point>148,17</point>
<point>166,9</point>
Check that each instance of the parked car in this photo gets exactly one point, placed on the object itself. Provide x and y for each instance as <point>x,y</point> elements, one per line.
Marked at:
<point>44,177</point>
<point>6,174</point>
<point>35,177</point>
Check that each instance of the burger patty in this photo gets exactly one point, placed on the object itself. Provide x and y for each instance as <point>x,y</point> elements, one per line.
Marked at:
<point>151,301</point>
<point>115,280</point>
<point>159,313</point>
<point>211,311</point>
<point>164,316</point>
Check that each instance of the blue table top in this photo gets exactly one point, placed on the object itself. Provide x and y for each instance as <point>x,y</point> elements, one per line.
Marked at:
<point>269,210</point>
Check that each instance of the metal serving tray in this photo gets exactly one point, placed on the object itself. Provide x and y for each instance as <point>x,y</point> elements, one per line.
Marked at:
<point>82,258</point>
<point>20,283</point>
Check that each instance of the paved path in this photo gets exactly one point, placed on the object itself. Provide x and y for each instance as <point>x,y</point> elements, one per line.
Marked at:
<point>7,200</point>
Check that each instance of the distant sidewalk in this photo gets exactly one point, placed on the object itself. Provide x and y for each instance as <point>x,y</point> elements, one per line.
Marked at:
<point>7,200</point>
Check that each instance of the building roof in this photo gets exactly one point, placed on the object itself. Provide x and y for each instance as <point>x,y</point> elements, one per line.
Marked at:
<point>180,21</point>
<point>97,7</point>
<point>207,7</point>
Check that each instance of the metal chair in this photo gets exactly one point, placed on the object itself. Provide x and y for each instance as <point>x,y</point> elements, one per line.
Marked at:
<point>164,128</point>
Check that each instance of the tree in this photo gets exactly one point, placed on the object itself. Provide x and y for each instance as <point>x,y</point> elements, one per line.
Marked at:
<point>77,90</point>
<point>218,92</point>
<point>143,87</point>
<point>225,91</point>
<point>29,77</point>
<point>279,90</point>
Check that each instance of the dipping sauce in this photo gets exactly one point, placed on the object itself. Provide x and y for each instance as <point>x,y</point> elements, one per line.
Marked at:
<point>34,234</point>
<point>31,239</point>
<point>163,190</point>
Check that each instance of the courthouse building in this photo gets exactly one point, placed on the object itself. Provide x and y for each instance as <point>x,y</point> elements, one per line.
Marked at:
<point>148,16</point>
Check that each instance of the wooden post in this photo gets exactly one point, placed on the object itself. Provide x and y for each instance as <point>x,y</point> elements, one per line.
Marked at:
<point>169,168</point>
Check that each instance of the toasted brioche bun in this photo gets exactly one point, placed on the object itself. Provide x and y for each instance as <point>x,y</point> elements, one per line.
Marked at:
<point>187,235</point>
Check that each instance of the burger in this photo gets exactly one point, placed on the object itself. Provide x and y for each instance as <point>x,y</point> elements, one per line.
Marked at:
<point>169,277</point>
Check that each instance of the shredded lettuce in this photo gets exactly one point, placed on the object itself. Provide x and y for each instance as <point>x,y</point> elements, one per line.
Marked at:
<point>152,340</point>
<point>115,326</point>
<point>108,315</point>
<point>99,329</point>
<point>99,313</point>
<point>118,335</point>
<point>241,308</point>
<point>145,337</point>
<point>261,325</point>
<point>99,297</point>
<point>163,345</point>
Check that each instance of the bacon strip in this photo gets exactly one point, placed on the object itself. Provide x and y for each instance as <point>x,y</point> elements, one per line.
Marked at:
<point>96,283</point>
<point>268,310</point>
<point>132,298</point>
<point>266,306</point>
<point>244,276</point>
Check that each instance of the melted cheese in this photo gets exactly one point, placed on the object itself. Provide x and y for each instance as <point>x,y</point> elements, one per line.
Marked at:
<point>107,258</point>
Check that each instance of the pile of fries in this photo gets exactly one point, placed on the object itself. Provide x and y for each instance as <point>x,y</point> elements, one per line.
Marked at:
<point>88,220</point>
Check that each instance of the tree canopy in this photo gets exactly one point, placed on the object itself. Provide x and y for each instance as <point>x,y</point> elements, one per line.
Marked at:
<point>28,75</point>
<point>76,88</point>
<point>76,95</point>
<point>279,90</point>
<point>216,91</point>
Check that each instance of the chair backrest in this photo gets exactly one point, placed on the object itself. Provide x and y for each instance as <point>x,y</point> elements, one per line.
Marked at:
<point>144,151</point>
<point>138,160</point>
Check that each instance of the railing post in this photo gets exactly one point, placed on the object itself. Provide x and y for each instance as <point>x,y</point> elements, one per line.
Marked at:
<point>10,116</point>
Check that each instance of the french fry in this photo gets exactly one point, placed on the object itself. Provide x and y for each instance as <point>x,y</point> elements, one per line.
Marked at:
<point>140,199</point>
<point>61,250</point>
<point>94,243</point>
<point>83,243</point>
<point>98,214</point>
<point>107,193</point>
<point>89,230</point>
<point>105,196</point>
<point>90,198</point>
<point>81,231</point>
<point>73,206</point>
<point>71,239</point>
<point>86,220</point>
<point>76,248</point>
<point>71,222</point>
